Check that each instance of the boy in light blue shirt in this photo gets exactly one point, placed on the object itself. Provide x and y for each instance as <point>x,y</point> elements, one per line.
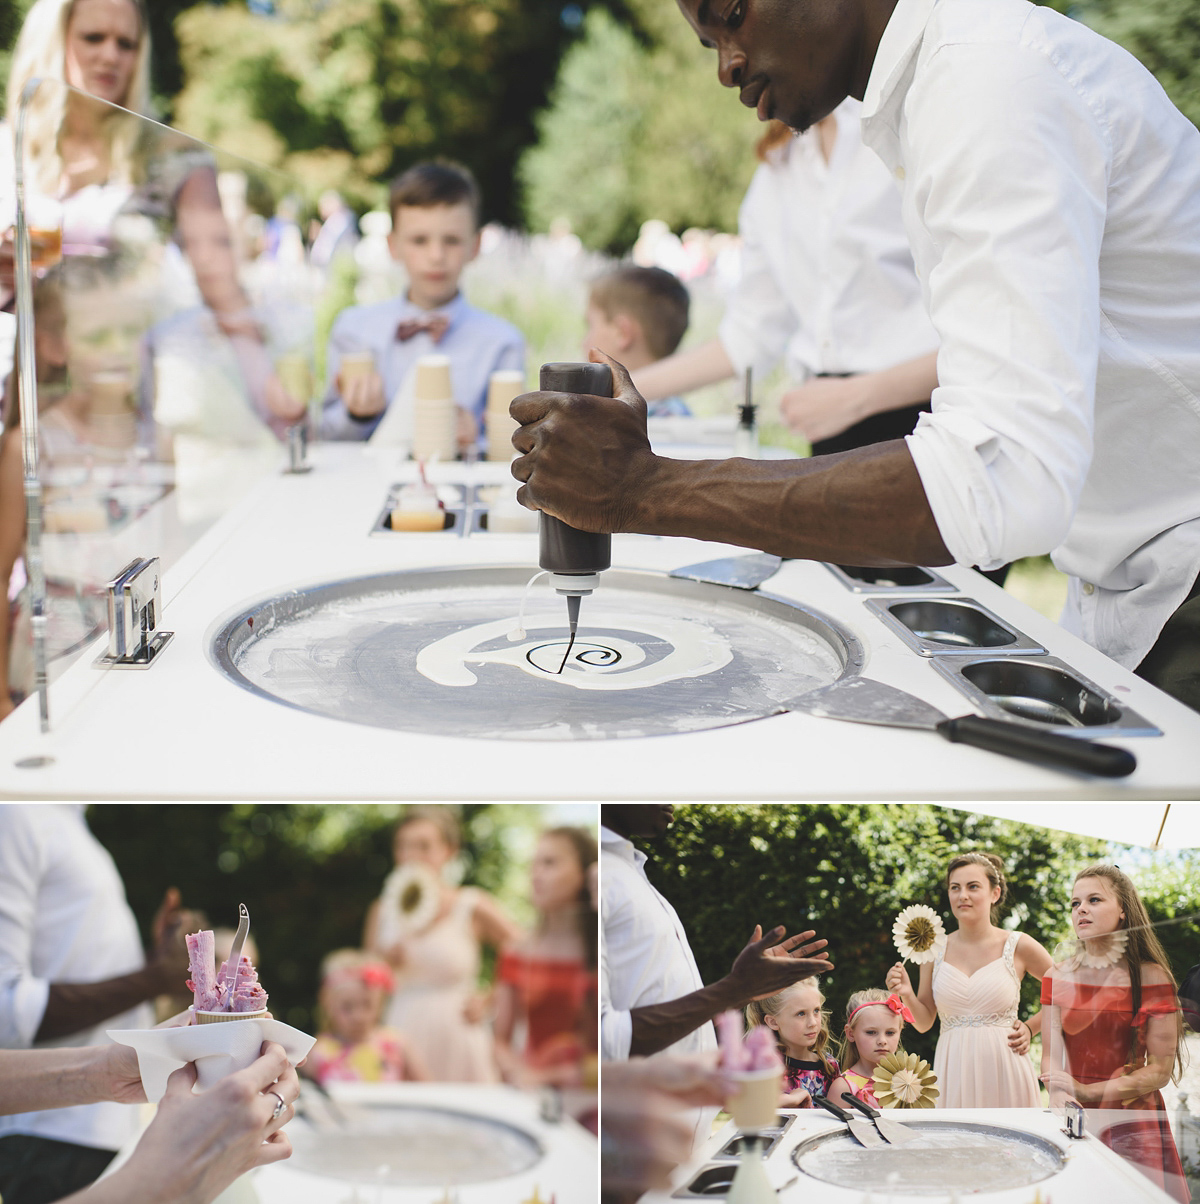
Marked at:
<point>638,315</point>
<point>435,234</point>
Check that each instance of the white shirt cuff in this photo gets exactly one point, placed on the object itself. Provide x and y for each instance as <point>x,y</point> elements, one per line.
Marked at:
<point>22,1006</point>
<point>616,1036</point>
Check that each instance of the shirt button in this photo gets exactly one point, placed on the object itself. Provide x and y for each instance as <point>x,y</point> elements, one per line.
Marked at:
<point>1088,588</point>
<point>899,173</point>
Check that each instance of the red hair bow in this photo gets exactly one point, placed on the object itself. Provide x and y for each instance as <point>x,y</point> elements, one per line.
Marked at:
<point>897,1006</point>
<point>377,976</point>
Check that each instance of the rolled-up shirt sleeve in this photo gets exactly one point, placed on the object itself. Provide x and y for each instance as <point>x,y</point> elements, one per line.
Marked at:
<point>1006,232</point>
<point>616,1024</point>
<point>23,995</point>
<point>759,320</point>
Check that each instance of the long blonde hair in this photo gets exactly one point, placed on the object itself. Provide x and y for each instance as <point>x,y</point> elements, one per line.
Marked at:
<point>40,53</point>
<point>757,1011</point>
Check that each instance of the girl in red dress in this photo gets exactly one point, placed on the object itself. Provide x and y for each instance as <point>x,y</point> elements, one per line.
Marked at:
<point>1111,1038</point>
<point>546,984</point>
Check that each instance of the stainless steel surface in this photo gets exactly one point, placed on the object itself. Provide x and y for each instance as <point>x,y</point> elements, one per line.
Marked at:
<point>769,1138</point>
<point>134,608</point>
<point>297,445</point>
<point>1075,1123</point>
<point>235,953</point>
<point>414,1146</point>
<point>349,649</point>
<point>862,700</point>
<point>458,516</point>
<point>740,572</point>
<point>1042,692</point>
<point>947,1158</point>
<point>863,1131</point>
<point>711,1181</point>
<point>908,579</point>
<point>950,626</point>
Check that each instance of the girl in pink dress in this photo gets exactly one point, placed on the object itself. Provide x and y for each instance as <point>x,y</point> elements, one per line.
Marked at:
<point>974,987</point>
<point>874,1022</point>
<point>435,954</point>
<point>352,1046</point>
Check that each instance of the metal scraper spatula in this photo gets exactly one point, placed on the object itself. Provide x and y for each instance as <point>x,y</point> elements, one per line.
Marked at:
<point>861,700</point>
<point>861,1130</point>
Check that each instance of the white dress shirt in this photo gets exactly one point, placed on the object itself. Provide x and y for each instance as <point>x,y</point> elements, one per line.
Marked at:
<point>645,957</point>
<point>1052,201</point>
<point>63,918</point>
<point>827,278</point>
<point>476,342</point>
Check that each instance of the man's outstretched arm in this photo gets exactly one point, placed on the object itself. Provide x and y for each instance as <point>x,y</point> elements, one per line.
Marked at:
<point>766,965</point>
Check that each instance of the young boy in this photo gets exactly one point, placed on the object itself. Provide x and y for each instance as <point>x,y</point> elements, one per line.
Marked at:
<point>638,315</point>
<point>435,234</point>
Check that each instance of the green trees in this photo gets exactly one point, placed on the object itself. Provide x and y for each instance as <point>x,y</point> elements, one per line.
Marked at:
<point>847,870</point>
<point>347,95</point>
<point>638,127</point>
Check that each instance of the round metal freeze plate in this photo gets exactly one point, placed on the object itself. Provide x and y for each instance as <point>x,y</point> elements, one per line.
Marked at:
<point>948,1158</point>
<point>432,651</point>
<point>405,1146</point>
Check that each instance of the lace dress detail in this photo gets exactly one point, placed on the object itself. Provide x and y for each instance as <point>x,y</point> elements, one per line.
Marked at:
<point>974,1065</point>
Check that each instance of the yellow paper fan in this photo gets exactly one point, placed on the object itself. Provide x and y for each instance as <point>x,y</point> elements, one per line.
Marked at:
<point>919,934</point>
<point>905,1081</point>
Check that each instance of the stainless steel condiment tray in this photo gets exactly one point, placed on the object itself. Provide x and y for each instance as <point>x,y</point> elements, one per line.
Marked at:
<point>895,579</point>
<point>1044,692</point>
<point>937,627</point>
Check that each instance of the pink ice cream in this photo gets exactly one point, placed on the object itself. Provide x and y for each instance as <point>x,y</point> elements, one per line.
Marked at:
<point>756,1054</point>
<point>212,990</point>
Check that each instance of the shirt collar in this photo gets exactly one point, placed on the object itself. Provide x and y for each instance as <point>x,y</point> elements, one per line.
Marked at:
<point>895,62</point>
<point>613,843</point>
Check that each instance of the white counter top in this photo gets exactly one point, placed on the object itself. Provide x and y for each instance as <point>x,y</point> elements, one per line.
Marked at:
<point>183,730</point>
<point>1091,1172</point>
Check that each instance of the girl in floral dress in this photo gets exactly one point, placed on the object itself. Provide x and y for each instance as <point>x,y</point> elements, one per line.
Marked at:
<point>801,1027</point>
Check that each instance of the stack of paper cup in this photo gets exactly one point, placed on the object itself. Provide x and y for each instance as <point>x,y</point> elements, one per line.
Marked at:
<point>503,386</point>
<point>435,415</point>
<point>756,1102</point>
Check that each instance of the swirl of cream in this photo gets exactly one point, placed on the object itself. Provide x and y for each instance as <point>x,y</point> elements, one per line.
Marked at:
<point>605,663</point>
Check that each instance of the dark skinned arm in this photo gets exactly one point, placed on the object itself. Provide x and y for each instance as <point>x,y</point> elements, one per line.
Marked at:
<point>766,965</point>
<point>74,1006</point>
<point>587,460</point>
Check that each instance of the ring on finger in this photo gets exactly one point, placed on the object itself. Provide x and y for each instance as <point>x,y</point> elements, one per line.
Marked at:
<point>279,1107</point>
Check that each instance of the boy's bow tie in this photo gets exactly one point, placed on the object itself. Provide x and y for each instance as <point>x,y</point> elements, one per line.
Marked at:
<point>436,325</point>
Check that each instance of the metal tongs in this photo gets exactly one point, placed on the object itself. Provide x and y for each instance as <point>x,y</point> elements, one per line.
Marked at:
<point>235,954</point>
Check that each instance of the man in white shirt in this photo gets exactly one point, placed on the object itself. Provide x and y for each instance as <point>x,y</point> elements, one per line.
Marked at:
<point>652,997</point>
<point>71,966</point>
<point>1052,202</point>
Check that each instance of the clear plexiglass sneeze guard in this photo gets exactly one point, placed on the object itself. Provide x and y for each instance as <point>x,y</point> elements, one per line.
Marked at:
<point>165,325</point>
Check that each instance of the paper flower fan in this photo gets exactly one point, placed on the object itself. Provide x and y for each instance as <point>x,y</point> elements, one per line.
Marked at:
<point>919,934</point>
<point>1097,952</point>
<point>411,898</point>
<point>905,1081</point>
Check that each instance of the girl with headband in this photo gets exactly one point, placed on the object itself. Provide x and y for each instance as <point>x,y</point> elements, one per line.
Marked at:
<point>974,986</point>
<point>874,1020</point>
<point>352,1046</point>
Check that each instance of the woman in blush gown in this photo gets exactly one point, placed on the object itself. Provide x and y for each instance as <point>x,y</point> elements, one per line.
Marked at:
<point>1113,1027</point>
<point>435,949</point>
<point>974,988</point>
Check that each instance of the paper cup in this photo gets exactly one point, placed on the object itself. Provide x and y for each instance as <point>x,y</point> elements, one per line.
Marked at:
<point>222,1017</point>
<point>756,1103</point>
<point>433,378</point>
<point>355,364</point>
